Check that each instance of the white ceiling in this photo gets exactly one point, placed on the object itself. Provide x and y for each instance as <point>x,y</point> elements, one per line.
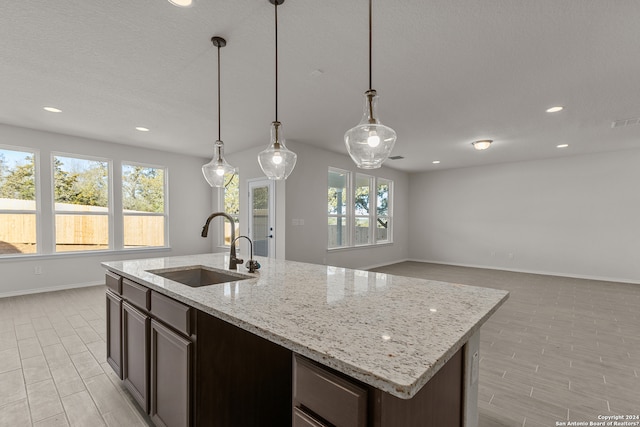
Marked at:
<point>448,72</point>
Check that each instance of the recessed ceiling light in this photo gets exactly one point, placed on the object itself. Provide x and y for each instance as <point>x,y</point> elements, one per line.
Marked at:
<point>181,3</point>
<point>483,144</point>
<point>52,109</point>
<point>555,109</point>
<point>435,162</point>
<point>142,129</point>
<point>562,145</point>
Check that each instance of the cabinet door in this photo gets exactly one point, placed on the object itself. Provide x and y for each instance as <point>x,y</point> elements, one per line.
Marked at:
<point>114,332</point>
<point>135,353</point>
<point>170,377</point>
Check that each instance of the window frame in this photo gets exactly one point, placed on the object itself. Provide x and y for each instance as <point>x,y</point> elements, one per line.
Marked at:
<point>37,200</point>
<point>165,206</point>
<point>348,233</point>
<point>236,217</point>
<point>109,214</point>
<point>352,216</point>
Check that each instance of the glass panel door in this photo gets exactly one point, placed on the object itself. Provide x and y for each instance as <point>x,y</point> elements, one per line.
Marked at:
<point>261,227</point>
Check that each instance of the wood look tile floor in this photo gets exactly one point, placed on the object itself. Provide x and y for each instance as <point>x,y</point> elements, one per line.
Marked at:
<point>559,349</point>
<point>53,369</point>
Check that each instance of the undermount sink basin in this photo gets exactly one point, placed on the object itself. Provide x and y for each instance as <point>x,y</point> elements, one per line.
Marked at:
<point>196,276</point>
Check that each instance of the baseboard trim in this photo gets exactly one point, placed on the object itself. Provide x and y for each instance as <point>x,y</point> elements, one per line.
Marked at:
<point>48,289</point>
<point>544,273</point>
<point>384,264</point>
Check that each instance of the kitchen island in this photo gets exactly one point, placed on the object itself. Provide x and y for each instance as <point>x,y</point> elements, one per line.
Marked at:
<point>371,346</point>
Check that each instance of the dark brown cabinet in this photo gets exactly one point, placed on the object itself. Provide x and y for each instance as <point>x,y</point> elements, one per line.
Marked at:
<point>114,332</point>
<point>170,377</point>
<point>322,398</point>
<point>135,353</point>
<point>150,342</point>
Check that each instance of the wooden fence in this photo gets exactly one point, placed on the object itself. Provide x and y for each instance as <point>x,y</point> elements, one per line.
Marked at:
<point>84,229</point>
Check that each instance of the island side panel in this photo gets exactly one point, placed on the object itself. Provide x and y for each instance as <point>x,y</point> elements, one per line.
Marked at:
<point>471,375</point>
<point>241,379</point>
<point>439,403</point>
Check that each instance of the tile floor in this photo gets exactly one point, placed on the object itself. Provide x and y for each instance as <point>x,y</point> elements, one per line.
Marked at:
<point>559,350</point>
<point>53,369</point>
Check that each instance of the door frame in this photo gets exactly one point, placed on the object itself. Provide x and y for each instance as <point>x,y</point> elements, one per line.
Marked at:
<point>263,182</point>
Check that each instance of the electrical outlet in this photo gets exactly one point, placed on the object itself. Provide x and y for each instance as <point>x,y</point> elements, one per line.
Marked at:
<point>37,269</point>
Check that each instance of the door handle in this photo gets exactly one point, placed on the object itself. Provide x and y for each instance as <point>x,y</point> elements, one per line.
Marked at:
<point>270,236</point>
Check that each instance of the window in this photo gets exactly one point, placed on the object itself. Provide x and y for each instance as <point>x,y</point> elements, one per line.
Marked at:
<point>338,195</point>
<point>18,202</point>
<point>383,210</point>
<point>362,208</point>
<point>366,219</point>
<point>143,206</point>
<point>81,204</point>
<point>230,195</point>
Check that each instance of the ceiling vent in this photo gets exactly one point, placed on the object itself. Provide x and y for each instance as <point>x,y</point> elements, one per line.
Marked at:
<point>396,157</point>
<point>625,122</point>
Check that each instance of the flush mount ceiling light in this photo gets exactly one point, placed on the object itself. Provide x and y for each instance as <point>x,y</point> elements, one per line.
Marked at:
<point>215,170</point>
<point>555,109</point>
<point>277,162</point>
<point>52,109</point>
<point>370,143</point>
<point>483,144</point>
<point>181,3</point>
<point>142,129</point>
<point>562,145</point>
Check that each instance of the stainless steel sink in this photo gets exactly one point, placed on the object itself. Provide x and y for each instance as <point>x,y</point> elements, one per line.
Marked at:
<point>196,276</point>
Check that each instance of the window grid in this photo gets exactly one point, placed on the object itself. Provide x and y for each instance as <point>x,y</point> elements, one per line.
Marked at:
<point>366,218</point>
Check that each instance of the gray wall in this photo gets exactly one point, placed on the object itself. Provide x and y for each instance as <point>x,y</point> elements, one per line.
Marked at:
<point>575,216</point>
<point>189,205</point>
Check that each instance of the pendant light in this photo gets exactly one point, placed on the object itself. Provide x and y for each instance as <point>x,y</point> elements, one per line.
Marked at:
<point>370,143</point>
<point>277,162</point>
<point>217,168</point>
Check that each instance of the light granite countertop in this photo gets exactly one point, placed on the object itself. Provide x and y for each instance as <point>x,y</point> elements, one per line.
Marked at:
<point>388,331</point>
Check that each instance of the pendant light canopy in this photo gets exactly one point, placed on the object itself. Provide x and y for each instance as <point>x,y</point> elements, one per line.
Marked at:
<point>277,162</point>
<point>370,143</point>
<point>217,168</point>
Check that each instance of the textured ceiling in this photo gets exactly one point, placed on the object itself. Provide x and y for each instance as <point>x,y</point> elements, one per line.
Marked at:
<point>448,72</point>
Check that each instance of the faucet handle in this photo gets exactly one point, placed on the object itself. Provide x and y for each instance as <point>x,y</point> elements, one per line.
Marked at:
<point>253,265</point>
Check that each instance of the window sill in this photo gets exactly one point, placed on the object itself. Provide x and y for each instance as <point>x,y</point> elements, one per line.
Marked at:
<point>108,252</point>
<point>349,248</point>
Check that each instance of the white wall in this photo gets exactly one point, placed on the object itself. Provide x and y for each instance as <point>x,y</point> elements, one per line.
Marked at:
<point>189,204</point>
<point>307,200</point>
<point>575,216</point>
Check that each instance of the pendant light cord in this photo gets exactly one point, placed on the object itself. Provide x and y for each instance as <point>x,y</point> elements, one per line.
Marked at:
<point>219,109</point>
<point>370,43</point>
<point>276,13</point>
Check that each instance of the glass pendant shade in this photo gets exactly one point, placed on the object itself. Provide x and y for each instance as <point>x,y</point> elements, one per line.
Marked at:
<point>277,162</point>
<point>370,143</point>
<point>217,168</point>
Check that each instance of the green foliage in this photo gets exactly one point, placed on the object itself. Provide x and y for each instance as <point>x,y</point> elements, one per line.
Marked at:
<point>88,186</point>
<point>143,189</point>
<point>362,202</point>
<point>19,182</point>
<point>232,194</point>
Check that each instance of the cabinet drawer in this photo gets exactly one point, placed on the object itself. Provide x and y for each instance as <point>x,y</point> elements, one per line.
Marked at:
<point>113,282</point>
<point>171,312</point>
<point>333,398</point>
<point>136,294</point>
<point>301,419</point>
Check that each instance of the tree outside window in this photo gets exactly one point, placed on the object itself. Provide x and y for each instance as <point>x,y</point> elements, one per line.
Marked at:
<point>81,204</point>
<point>143,204</point>
<point>18,212</point>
